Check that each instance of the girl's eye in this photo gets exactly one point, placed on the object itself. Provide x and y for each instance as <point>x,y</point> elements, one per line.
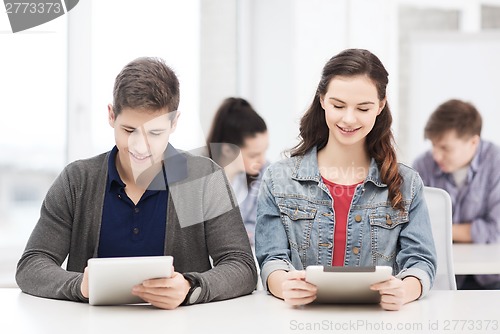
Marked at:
<point>338,107</point>
<point>363,109</point>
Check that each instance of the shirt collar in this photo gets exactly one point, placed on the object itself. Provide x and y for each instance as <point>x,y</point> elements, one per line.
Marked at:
<point>306,169</point>
<point>474,164</point>
<point>114,181</point>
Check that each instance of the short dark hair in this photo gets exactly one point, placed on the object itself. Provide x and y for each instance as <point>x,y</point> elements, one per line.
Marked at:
<point>146,83</point>
<point>456,115</point>
<point>234,121</point>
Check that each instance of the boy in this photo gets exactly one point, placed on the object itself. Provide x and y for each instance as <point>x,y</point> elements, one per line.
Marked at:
<point>143,198</point>
<point>466,166</point>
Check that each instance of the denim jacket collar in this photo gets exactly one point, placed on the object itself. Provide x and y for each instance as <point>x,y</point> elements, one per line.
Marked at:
<point>306,169</point>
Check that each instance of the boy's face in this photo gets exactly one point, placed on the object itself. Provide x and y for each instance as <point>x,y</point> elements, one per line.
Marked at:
<point>452,152</point>
<point>141,137</point>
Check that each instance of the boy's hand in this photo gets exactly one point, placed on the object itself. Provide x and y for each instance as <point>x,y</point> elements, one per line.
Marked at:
<point>84,287</point>
<point>166,293</point>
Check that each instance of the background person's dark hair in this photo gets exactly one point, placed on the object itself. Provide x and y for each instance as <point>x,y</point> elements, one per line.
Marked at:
<point>456,115</point>
<point>234,121</point>
<point>380,141</point>
<point>146,83</point>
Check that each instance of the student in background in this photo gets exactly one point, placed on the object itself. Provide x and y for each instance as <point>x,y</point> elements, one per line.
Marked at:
<point>342,199</point>
<point>238,129</point>
<point>142,198</point>
<point>466,166</point>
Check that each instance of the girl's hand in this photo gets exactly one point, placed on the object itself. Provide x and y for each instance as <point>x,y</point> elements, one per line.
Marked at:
<point>395,293</point>
<point>295,290</point>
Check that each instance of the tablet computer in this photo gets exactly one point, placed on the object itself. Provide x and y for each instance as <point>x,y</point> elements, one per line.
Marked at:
<point>347,285</point>
<point>111,279</point>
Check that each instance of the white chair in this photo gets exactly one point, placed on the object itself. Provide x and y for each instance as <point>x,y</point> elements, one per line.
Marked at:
<point>439,205</point>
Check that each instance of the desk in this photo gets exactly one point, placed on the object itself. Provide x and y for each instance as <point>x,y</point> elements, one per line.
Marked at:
<point>257,313</point>
<point>476,259</point>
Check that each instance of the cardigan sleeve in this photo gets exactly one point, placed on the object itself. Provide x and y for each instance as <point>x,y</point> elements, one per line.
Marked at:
<point>39,270</point>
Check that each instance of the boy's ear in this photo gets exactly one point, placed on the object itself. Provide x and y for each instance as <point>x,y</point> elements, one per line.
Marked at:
<point>111,116</point>
<point>173,123</point>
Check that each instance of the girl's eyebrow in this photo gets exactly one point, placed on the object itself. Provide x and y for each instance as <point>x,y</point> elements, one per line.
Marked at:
<point>361,103</point>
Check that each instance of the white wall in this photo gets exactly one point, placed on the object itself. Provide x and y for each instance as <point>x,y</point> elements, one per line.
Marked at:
<point>289,41</point>
<point>453,65</point>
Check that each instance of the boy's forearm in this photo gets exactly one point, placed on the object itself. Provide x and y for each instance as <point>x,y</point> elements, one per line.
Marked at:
<point>462,232</point>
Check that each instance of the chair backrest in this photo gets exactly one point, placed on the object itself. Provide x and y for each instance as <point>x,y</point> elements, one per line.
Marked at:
<point>439,206</point>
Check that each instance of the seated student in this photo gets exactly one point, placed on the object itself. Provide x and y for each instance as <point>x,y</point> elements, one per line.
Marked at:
<point>143,198</point>
<point>236,128</point>
<point>342,199</point>
<point>466,166</point>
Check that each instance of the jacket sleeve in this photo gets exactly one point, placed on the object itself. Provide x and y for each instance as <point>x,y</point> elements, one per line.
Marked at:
<point>39,270</point>
<point>416,259</point>
<point>485,228</point>
<point>271,242</point>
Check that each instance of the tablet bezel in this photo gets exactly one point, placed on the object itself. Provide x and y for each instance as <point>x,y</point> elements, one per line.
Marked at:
<point>347,285</point>
<point>111,279</point>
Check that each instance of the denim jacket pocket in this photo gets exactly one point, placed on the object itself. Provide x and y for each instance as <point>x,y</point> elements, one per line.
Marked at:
<point>385,226</point>
<point>298,221</point>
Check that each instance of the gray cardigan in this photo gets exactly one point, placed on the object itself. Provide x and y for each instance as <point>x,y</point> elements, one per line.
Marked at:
<point>203,221</point>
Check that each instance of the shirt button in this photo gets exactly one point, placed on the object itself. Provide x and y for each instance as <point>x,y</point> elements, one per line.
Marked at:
<point>355,250</point>
<point>357,218</point>
<point>388,220</point>
<point>136,210</point>
<point>135,230</point>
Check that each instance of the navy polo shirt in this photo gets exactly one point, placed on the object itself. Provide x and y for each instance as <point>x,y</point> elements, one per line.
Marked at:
<point>128,229</point>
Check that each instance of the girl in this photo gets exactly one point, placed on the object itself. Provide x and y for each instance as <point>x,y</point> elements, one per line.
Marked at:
<point>342,199</point>
<point>238,128</point>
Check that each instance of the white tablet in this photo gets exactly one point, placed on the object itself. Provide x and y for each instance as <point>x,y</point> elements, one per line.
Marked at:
<point>347,285</point>
<point>111,279</point>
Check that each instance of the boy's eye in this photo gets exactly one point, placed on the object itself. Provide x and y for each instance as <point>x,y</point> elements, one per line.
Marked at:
<point>128,130</point>
<point>156,133</point>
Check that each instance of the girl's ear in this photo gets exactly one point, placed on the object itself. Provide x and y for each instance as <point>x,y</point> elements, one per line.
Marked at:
<point>381,106</point>
<point>322,101</point>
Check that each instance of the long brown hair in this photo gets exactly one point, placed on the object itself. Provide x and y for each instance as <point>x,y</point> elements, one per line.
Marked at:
<point>380,141</point>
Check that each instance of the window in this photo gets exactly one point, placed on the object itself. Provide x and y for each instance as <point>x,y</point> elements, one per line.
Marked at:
<point>32,140</point>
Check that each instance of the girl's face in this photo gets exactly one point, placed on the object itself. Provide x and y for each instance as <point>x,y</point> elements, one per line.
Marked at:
<point>254,152</point>
<point>351,107</point>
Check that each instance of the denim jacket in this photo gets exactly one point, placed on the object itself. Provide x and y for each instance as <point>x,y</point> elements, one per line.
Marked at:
<point>295,222</point>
